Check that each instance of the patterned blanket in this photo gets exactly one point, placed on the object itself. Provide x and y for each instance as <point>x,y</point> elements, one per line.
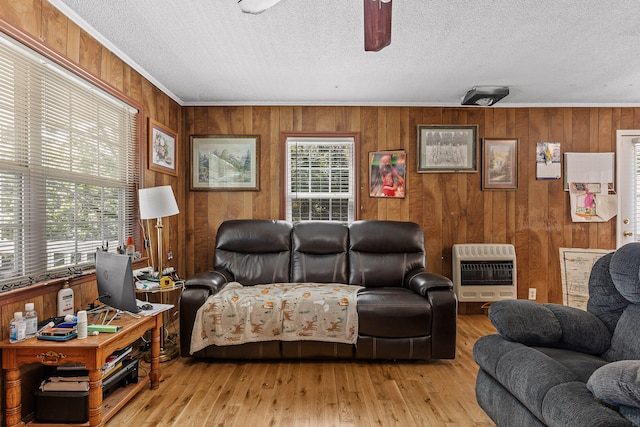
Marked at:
<point>279,311</point>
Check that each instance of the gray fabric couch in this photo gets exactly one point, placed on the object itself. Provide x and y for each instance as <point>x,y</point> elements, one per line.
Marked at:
<point>552,365</point>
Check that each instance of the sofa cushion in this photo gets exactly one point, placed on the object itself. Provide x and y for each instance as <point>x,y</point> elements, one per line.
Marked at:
<point>254,251</point>
<point>550,325</point>
<point>393,313</point>
<point>571,404</point>
<point>581,364</point>
<point>319,252</point>
<point>381,253</point>
<point>625,271</point>
<point>605,301</point>
<point>526,322</point>
<point>632,414</point>
<point>625,344</point>
<point>617,383</point>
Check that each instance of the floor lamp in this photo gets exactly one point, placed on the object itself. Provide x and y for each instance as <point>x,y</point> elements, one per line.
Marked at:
<point>159,202</point>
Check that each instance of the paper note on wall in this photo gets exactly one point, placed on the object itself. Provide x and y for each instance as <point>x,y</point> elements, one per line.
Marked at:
<point>591,202</point>
<point>590,167</point>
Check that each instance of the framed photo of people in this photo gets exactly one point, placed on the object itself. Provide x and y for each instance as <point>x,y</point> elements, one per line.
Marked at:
<point>447,148</point>
<point>387,174</point>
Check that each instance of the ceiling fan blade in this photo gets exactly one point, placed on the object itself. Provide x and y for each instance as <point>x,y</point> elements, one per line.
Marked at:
<point>377,24</point>
<point>256,6</point>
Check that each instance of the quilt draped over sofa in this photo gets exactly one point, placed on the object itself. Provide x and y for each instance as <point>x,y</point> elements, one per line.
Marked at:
<point>277,311</point>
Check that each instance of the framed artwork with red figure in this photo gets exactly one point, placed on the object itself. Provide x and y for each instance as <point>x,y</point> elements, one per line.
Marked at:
<point>387,174</point>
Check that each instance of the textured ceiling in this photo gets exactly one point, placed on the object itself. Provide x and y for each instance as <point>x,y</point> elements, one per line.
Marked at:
<point>311,52</point>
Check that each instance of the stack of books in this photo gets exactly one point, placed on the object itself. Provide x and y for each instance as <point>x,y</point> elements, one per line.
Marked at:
<point>114,362</point>
<point>76,377</point>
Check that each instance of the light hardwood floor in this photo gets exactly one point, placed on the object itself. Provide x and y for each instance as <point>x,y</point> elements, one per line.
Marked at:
<point>316,394</point>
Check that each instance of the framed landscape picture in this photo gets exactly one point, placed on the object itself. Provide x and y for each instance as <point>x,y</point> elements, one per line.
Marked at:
<point>163,153</point>
<point>447,148</point>
<point>499,164</point>
<point>224,162</point>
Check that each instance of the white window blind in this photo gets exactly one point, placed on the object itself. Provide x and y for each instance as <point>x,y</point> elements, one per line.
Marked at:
<point>636,190</point>
<point>320,179</point>
<point>68,169</point>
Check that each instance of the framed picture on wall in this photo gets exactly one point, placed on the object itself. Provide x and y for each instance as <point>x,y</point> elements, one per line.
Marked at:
<point>163,144</point>
<point>499,164</point>
<point>387,174</point>
<point>224,162</point>
<point>447,148</point>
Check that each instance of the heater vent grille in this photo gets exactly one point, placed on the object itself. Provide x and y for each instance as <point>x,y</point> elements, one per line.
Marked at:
<point>484,272</point>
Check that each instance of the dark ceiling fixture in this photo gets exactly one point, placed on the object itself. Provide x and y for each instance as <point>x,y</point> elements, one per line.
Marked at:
<point>485,96</point>
<point>377,24</point>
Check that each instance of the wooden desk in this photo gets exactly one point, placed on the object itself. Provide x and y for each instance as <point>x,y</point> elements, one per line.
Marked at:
<point>91,352</point>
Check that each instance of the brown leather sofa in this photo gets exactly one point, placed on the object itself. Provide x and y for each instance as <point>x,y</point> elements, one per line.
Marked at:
<point>404,312</point>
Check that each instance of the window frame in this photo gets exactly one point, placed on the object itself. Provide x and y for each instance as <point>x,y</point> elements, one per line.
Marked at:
<point>284,136</point>
<point>21,37</point>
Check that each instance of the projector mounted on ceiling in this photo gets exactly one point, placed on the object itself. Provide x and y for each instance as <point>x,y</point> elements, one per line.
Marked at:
<point>485,96</point>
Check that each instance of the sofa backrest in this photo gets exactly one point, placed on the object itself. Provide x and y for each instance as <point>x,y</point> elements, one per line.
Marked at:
<point>614,296</point>
<point>366,253</point>
<point>319,252</point>
<point>254,251</point>
<point>605,302</point>
<point>381,253</point>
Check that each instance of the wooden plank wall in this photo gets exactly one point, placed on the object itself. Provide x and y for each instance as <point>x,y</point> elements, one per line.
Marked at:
<point>41,22</point>
<point>450,207</point>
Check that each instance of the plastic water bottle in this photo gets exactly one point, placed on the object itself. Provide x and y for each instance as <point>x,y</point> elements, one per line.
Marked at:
<point>18,327</point>
<point>30,320</point>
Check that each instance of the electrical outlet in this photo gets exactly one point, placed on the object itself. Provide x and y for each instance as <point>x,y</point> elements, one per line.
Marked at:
<point>532,293</point>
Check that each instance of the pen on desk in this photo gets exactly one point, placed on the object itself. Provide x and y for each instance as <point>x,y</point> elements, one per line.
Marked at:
<point>48,325</point>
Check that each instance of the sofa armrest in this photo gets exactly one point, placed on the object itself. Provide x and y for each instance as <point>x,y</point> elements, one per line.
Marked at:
<point>438,290</point>
<point>550,325</point>
<point>211,280</point>
<point>196,291</point>
<point>422,281</point>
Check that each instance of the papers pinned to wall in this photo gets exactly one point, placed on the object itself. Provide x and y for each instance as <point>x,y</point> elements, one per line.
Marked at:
<point>591,202</point>
<point>589,178</point>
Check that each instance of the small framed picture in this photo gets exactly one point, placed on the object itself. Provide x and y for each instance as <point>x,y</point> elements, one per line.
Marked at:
<point>387,174</point>
<point>447,148</point>
<point>224,162</point>
<point>163,152</point>
<point>499,164</point>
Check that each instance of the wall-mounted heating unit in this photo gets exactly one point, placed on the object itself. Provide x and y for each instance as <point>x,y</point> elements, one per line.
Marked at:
<point>484,272</point>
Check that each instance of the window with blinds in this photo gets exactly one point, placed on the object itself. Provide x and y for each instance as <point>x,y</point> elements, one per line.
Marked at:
<point>68,169</point>
<point>320,179</point>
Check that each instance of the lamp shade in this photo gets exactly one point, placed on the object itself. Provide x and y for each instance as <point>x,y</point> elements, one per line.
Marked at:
<point>157,202</point>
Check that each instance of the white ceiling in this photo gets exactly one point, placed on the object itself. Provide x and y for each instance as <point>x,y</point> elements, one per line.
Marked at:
<point>311,52</point>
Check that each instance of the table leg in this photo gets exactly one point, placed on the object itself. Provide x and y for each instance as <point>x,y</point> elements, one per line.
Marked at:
<point>13,397</point>
<point>95,397</point>
<point>154,375</point>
